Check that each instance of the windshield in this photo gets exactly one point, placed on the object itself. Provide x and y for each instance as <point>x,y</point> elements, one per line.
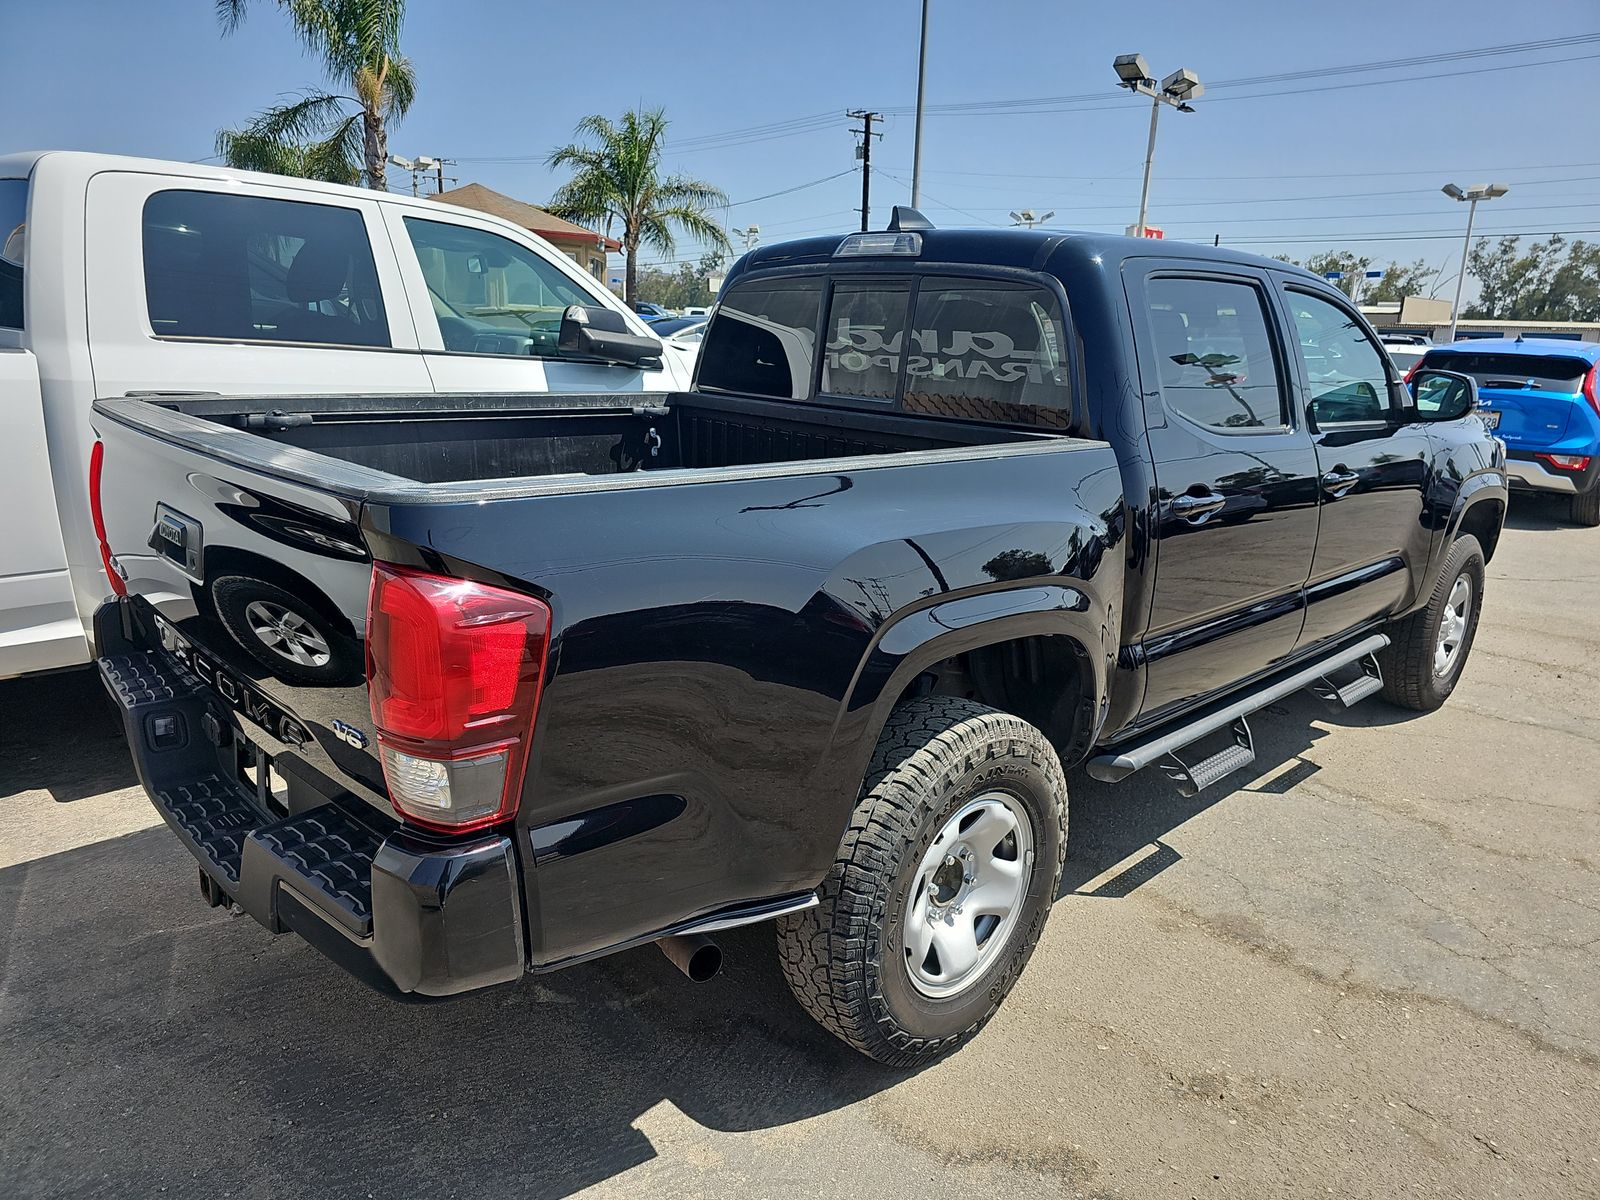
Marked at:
<point>1529,372</point>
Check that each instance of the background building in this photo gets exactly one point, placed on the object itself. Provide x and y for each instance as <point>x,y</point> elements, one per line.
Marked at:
<point>584,246</point>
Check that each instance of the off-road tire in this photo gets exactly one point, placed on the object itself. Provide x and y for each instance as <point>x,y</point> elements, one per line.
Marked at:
<point>843,959</point>
<point>1586,507</point>
<point>1409,679</point>
<point>231,595</point>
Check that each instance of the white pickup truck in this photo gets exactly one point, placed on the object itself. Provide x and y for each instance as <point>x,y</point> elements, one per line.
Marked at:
<point>124,275</point>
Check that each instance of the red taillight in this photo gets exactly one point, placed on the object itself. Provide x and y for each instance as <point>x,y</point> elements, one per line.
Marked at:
<point>454,670</point>
<point>1415,367</point>
<point>97,460</point>
<point>1591,388</point>
<point>1566,462</point>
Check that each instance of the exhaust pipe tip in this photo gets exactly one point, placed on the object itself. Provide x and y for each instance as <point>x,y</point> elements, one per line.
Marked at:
<point>696,955</point>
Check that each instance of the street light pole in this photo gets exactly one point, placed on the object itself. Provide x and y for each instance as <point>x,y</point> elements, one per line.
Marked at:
<point>1176,89</point>
<point>1471,195</point>
<point>1149,161</point>
<point>916,143</point>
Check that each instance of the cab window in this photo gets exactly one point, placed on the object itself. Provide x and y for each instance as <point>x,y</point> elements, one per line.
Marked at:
<point>865,333</point>
<point>1345,369</point>
<point>490,294</point>
<point>762,340</point>
<point>13,240</point>
<point>988,350</point>
<point>249,268</point>
<point>1214,354</point>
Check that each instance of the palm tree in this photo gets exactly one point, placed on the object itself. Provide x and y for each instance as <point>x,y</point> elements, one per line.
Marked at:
<point>617,178</point>
<point>323,134</point>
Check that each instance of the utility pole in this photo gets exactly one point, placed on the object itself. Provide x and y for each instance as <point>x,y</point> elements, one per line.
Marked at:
<point>864,153</point>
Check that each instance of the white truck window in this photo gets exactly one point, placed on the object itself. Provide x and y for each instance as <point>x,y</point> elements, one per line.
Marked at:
<point>13,238</point>
<point>249,268</point>
<point>491,296</point>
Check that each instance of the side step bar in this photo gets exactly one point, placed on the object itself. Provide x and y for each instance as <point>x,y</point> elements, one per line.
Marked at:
<point>1114,767</point>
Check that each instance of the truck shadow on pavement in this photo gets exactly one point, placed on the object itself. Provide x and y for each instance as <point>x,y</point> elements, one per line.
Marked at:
<point>1115,831</point>
<point>155,1044</point>
<point>60,732</point>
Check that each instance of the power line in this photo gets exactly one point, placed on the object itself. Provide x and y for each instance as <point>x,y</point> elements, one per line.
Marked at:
<point>1108,98</point>
<point>799,187</point>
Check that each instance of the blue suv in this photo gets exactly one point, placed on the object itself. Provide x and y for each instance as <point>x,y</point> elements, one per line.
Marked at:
<point>1539,396</point>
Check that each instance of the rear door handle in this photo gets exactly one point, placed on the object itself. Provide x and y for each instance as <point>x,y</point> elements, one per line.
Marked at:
<point>1195,509</point>
<point>1339,480</point>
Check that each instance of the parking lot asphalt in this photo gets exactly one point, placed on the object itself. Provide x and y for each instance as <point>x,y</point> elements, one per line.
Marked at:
<point>1368,969</point>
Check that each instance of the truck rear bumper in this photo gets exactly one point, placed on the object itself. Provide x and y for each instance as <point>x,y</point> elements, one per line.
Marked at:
<point>414,916</point>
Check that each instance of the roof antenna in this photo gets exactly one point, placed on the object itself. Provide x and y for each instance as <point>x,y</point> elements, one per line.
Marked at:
<point>904,219</point>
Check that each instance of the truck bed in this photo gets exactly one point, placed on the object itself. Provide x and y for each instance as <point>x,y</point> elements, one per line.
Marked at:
<point>463,438</point>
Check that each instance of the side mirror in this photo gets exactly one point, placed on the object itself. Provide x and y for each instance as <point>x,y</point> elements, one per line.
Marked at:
<point>1443,395</point>
<point>601,333</point>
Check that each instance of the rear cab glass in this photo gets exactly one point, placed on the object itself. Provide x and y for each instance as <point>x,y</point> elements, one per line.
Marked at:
<point>251,268</point>
<point>1514,372</point>
<point>976,349</point>
<point>13,249</point>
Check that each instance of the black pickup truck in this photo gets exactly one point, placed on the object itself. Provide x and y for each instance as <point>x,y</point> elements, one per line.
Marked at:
<point>459,688</point>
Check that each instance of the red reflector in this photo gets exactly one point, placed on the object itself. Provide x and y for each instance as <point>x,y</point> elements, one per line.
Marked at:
<point>454,670</point>
<point>1567,462</point>
<point>97,460</point>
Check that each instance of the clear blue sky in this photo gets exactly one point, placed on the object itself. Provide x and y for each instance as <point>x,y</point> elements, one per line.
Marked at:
<point>1288,167</point>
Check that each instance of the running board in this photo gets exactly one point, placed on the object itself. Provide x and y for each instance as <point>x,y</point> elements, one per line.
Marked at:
<point>1114,767</point>
<point>1192,780</point>
<point>1363,685</point>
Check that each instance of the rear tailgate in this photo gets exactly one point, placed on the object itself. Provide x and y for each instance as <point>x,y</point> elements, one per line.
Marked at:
<point>237,656</point>
<point>258,585</point>
<point>1534,394</point>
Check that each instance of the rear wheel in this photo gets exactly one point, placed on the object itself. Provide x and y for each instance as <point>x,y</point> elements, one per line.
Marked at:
<point>941,886</point>
<point>1586,507</point>
<point>1428,649</point>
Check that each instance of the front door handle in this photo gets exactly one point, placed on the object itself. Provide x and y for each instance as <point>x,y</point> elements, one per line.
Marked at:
<point>1195,509</point>
<point>1339,481</point>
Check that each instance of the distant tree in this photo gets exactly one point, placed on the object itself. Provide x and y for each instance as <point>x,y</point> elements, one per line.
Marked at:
<point>617,178</point>
<point>682,288</point>
<point>1399,281</point>
<point>1553,281</point>
<point>330,135</point>
<point>1351,266</point>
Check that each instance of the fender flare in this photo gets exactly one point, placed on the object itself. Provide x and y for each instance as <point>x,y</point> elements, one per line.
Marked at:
<point>906,647</point>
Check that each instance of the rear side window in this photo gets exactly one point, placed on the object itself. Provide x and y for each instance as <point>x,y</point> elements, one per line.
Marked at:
<point>249,268</point>
<point>1214,353</point>
<point>762,342</point>
<point>865,332</point>
<point>1538,372</point>
<point>986,350</point>
<point>1344,367</point>
<point>490,295</point>
<point>13,247</point>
